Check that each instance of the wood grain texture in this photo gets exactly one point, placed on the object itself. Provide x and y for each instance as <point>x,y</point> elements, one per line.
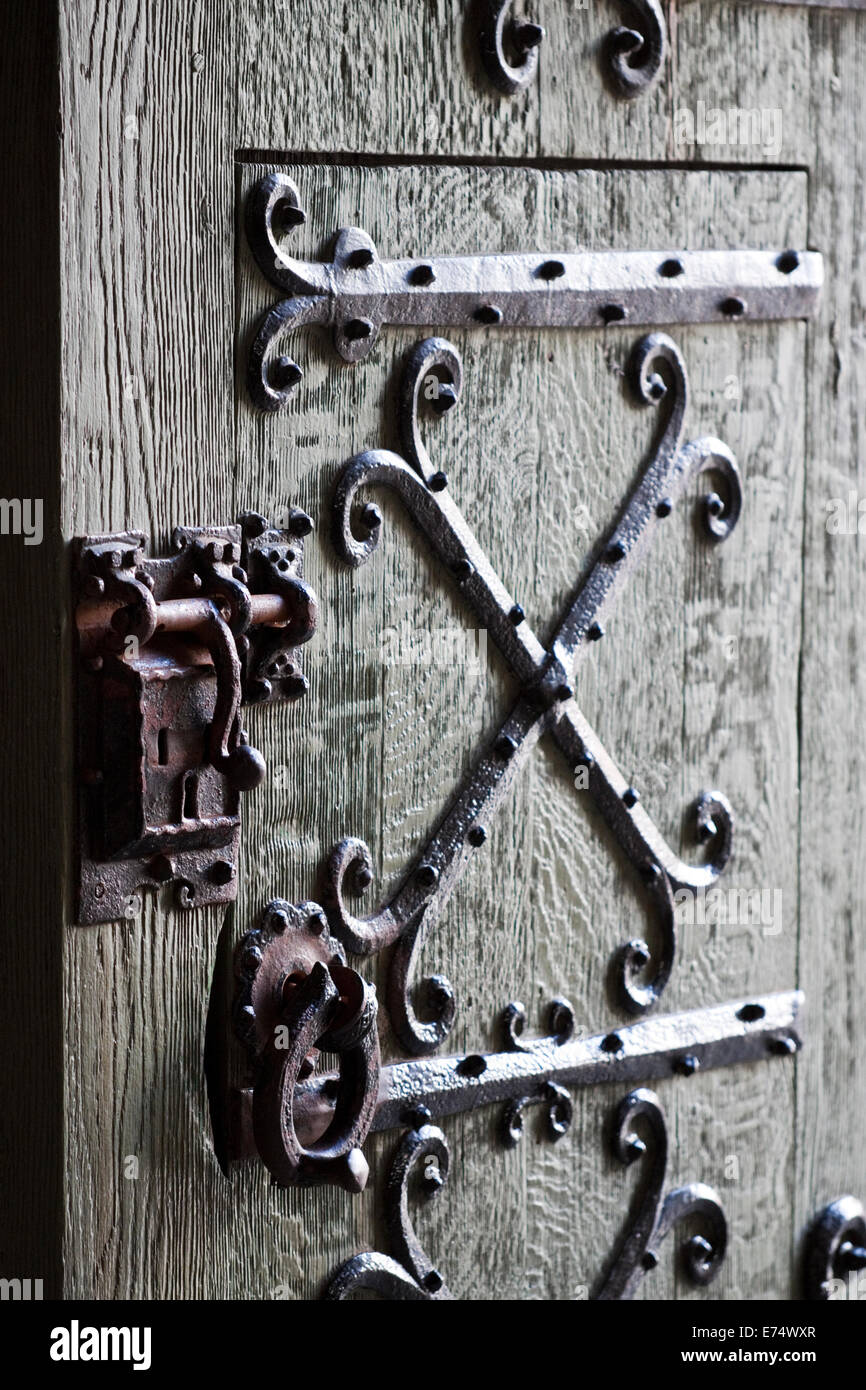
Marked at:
<point>159,295</point>
<point>832,944</point>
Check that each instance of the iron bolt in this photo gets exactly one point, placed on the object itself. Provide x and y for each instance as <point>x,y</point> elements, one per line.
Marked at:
<point>516,615</point>
<point>438,481</point>
<point>732,307</point>
<point>506,747</point>
<point>422,275</point>
<point>488,313</point>
<point>356,329</point>
<point>427,875</point>
<point>283,374</point>
<point>664,507</point>
<point>477,835</point>
<point>630,797</point>
<point>371,517</point>
<point>595,632</point>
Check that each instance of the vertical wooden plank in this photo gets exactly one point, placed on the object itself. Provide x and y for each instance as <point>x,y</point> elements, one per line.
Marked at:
<point>147,315</point>
<point>831,1074</point>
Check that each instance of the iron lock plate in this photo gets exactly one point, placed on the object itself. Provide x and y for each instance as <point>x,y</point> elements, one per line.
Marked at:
<point>168,649</point>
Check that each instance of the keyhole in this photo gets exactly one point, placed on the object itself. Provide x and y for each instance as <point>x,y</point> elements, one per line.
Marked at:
<point>190,798</point>
<point>162,747</point>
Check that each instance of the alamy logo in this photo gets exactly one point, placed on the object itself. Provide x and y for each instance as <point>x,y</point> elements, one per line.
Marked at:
<point>75,1343</point>
<point>713,125</point>
<point>22,516</point>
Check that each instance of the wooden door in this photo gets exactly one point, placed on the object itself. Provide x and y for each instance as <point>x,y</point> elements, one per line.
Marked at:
<point>732,666</point>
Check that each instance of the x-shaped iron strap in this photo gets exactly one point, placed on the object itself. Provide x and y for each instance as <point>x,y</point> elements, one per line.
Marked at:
<point>546,704</point>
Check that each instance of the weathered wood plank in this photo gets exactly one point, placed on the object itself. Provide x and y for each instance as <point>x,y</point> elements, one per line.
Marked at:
<point>831,1075</point>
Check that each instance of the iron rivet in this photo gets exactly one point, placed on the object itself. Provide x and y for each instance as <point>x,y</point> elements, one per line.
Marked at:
<point>287,215</point>
<point>641,956</point>
<point>630,797</point>
<point>751,1013</point>
<point>371,517</point>
<point>473,1065</point>
<point>526,36</point>
<point>278,920</point>
<point>488,313</point>
<point>477,835</point>
<point>665,507</point>
<point>787,262</point>
<point>222,871</point>
<point>360,258</point>
<point>464,569</point>
<point>422,275</point>
<point>783,1047</point>
<point>300,524</point>
<point>564,691</point>
<point>686,1066</point>
<point>251,958</point>
<point>612,313</point>
<point>732,307</point>
<point>595,632</point>
<point>445,397</point>
<point>550,270</point>
<point>317,923</point>
<point>284,374</point>
<point>438,482</point>
<point>649,1260</point>
<point>506,747</point>
<point>417,1117</point>
<point>672,268</point>
<point>615,552</point>
<point>427,875</point>
<point>433,1281</point>
<point>612,1043</point>
<point>356,329</point>
<point>363,877</point>
<point>432,1179</point>
<point>516,615</point>
<point>715,505</point>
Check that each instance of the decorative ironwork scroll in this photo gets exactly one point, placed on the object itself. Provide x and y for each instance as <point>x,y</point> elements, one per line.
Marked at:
<point>295,998</point>
<point>547,703</point>
<point>409,1274</point>
<point>358,294</point>
<point>632,55</point>
<point>835,1247</point>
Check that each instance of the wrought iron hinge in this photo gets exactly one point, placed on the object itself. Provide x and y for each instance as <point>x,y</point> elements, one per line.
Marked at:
<point>632,55</point>
<point>359,294</point>
<point>167,651</point>
<point>296,997</point>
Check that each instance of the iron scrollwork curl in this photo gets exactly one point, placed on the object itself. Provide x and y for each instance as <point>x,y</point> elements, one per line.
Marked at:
<point>632,55</point>
<point>835,1247</point>
<point>409,1276</point>
<point>654,1215</point>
